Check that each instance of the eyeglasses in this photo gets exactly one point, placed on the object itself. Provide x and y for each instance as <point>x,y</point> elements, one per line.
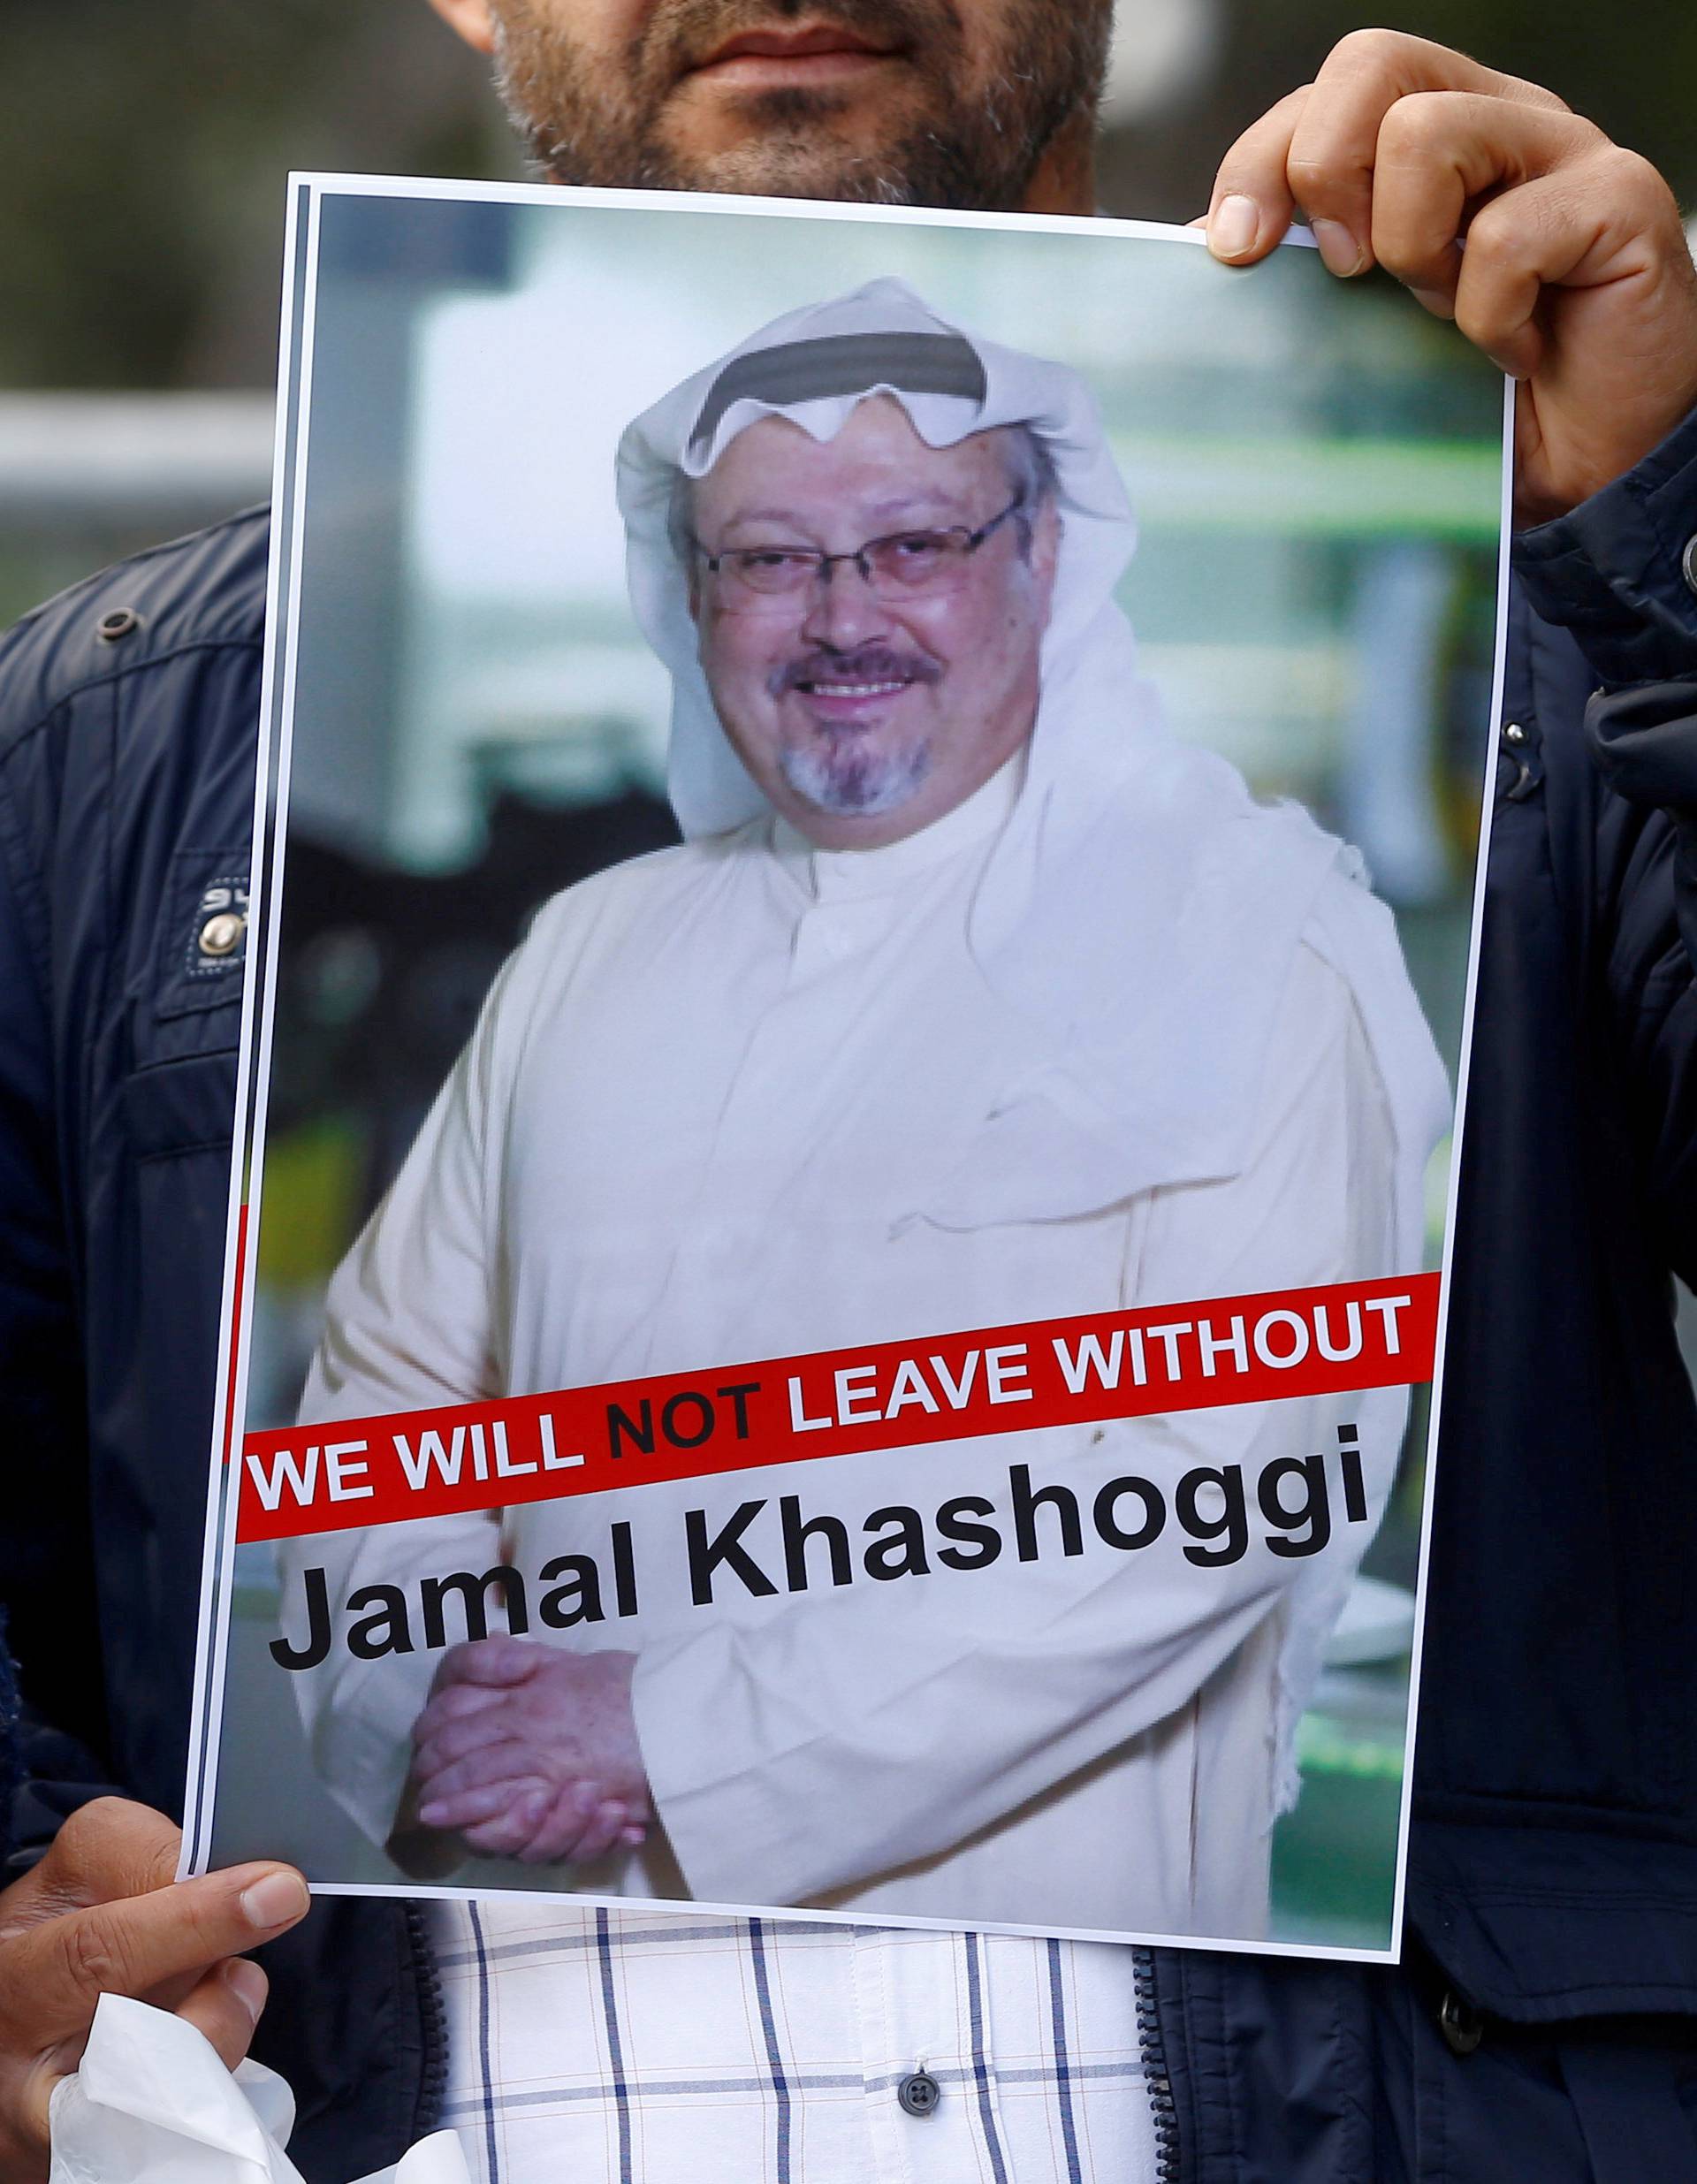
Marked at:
<point>907,565</point>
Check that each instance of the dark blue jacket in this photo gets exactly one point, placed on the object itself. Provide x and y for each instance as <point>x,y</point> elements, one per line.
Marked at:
<point>1553,1868</point>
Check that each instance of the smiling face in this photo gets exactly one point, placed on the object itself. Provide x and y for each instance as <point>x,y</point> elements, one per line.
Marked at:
<point>864,715</point>
<point>975,105</point>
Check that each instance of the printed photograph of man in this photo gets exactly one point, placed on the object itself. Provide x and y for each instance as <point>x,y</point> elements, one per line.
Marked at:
<point>971,997</point>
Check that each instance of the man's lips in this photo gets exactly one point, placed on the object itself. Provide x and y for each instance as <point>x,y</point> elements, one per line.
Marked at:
<point>765,59</point>
<point>886,689</point>
<point>847,697</point>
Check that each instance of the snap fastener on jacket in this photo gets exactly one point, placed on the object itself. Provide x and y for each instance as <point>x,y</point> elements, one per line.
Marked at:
<point>1688,563</point>
<point>124,621</point>
<point>1461,2025</point>
<point>919,2093</point>
<point>1520,748</point>
<point>222,935</point>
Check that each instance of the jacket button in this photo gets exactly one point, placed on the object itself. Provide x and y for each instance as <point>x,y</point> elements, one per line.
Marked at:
<point>221,936</point>
<point>1688,563</point>
<point>1514,734</point>
<point>1461,2025</point>
<point>114,628</point>
<point>919,2093</point>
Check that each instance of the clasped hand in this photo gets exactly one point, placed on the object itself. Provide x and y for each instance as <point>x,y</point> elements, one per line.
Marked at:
<point>526,1751</point>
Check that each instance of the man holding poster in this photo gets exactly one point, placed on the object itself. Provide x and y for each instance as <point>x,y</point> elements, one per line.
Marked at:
<point>1555,1801</point>
<point>973,998</point>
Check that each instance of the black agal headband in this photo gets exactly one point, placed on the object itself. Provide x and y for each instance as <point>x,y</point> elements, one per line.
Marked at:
<point>815,371</point>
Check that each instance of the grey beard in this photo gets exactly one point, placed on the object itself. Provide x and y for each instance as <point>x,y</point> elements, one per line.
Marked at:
<point>965,155</point>
<point>839,778</point>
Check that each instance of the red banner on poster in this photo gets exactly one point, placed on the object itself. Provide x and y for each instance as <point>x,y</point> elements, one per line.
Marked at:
<point>342,1476</point>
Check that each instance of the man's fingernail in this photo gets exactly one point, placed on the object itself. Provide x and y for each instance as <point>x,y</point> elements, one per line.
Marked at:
<point>1233,226</point>
<point>432,1814</point>
<point>274,1900</point>
<point>248,1984</point>
<point>1338,247</point>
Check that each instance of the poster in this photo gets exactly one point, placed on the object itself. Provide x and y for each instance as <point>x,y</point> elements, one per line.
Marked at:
<point>860,964</point>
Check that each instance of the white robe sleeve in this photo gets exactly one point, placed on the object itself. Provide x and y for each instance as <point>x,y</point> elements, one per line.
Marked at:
<point>854,1735</point>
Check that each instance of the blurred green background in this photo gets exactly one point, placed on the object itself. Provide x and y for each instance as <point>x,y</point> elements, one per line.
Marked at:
<point>143,146</point>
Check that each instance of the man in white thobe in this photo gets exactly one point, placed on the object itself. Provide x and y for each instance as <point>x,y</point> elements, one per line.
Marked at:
<point>971,998</point>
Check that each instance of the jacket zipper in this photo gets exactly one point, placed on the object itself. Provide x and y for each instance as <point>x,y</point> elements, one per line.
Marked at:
<point>1163,2107</point>
<point>432,2025</point>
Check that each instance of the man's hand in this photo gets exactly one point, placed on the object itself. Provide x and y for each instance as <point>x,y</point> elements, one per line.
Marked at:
<point>531,1753</point>
<point>101,1915</point>
<point>1559,254</point>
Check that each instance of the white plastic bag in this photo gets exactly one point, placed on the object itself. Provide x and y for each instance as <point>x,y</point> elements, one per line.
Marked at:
<point>151,2104</point>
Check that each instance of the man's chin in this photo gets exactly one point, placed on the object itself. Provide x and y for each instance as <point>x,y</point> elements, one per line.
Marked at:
<point>853,783</point>
<point>834,145</point>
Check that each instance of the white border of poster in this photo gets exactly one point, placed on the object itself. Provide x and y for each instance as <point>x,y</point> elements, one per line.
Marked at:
<point>307,196</point>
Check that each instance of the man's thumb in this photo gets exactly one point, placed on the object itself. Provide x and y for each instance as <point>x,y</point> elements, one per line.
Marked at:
<point>132,1946</point>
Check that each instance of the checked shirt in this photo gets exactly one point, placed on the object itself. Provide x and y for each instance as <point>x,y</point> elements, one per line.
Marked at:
<point>605,2047</point>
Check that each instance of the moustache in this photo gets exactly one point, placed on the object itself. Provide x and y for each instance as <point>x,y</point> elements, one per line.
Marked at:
<point>871,664</point>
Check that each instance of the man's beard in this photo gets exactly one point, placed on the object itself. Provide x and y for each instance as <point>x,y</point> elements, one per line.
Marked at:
<point>838,775</point>
<point>956,144</point>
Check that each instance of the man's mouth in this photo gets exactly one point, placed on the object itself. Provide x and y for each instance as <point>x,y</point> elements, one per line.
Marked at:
<point>846,692</point>
<point>774,59</point>
<point>851,689</point>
